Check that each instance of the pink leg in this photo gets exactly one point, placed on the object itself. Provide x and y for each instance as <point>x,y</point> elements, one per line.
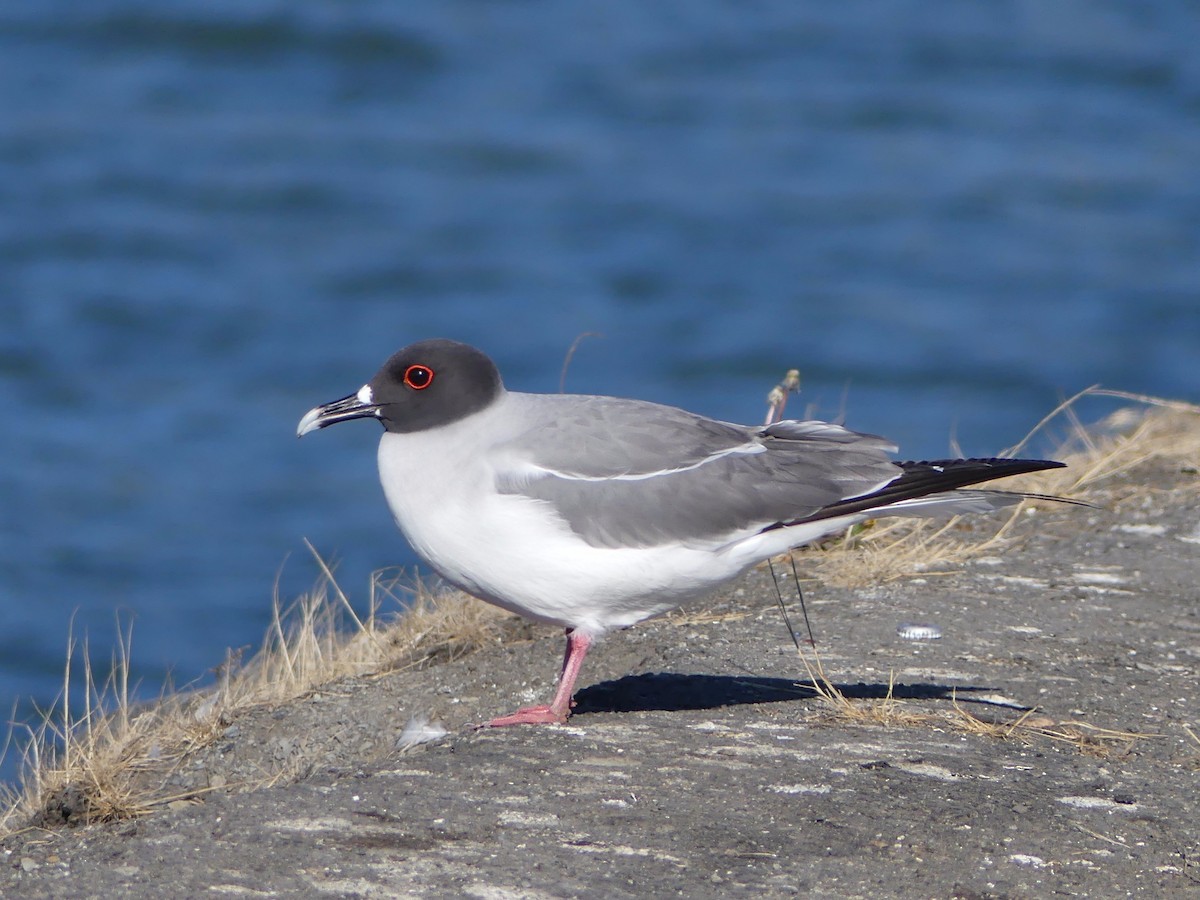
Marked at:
<point>560,709</point>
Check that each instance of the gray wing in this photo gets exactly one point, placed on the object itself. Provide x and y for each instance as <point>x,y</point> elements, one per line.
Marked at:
<point>630,474</point>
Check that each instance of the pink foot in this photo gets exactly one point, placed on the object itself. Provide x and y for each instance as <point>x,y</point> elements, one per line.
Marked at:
<point>558,711</point>
<point>530,715</point>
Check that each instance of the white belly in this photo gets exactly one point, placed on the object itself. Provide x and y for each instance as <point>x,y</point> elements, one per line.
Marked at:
<point>506,549</point>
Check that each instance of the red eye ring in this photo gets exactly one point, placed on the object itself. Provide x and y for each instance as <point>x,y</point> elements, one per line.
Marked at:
<point>418,377</point>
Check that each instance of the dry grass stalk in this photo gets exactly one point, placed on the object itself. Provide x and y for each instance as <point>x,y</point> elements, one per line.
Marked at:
<point>684,617</point>
<point>1088,739</point>
<point>890,711</point>
<point>1193,761</point>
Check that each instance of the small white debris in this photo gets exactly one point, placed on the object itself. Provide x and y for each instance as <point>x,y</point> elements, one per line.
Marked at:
<point>800,788</point>
<point>326,823</point>
<point>709,726</point>
<point>1143,529</point>
<point>1018,580</point>
<point>1025,629</point>
<point>528,820</point>
<point>995,699</point>
<point>419,730</point>
<point>926,770</point>
<point>1192,538</point>
<point>1028,861</point>
<point>618,850</point>
<point>916,631</point>
<point>1098,578</point>
<point>1096,803</point>
<point>206,711</point>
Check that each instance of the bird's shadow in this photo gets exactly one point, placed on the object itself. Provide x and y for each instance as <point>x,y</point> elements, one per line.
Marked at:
<point>673,692</point>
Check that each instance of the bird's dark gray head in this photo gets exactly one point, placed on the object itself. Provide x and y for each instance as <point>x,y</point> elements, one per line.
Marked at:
<point>425,385</point>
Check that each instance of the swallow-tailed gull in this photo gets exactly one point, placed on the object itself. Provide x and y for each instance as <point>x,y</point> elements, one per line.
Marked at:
<point>594,513</point>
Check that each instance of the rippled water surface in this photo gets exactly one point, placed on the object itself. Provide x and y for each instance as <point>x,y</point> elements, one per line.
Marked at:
<point>216,215</point>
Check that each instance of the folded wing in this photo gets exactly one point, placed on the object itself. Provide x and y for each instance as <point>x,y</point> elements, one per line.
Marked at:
<point>638,475</point>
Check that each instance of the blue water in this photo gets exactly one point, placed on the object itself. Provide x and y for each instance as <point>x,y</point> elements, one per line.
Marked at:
<point>214,215</point>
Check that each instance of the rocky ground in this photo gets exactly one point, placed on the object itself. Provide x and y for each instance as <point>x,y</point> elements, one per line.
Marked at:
<point>698,764</point>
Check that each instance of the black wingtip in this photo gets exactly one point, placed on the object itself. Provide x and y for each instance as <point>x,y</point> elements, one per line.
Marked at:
<point>934,476</point>
<point>931,476</point>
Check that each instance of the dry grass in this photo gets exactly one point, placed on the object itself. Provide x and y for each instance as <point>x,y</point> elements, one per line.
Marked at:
<point>84,766</point>
<point>320,638</point>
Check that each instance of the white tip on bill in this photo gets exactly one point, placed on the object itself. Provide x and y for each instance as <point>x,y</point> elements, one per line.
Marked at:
<point>309,422</point>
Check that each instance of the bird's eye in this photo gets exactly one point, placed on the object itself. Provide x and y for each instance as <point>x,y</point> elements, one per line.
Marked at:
<point>418,377</point>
